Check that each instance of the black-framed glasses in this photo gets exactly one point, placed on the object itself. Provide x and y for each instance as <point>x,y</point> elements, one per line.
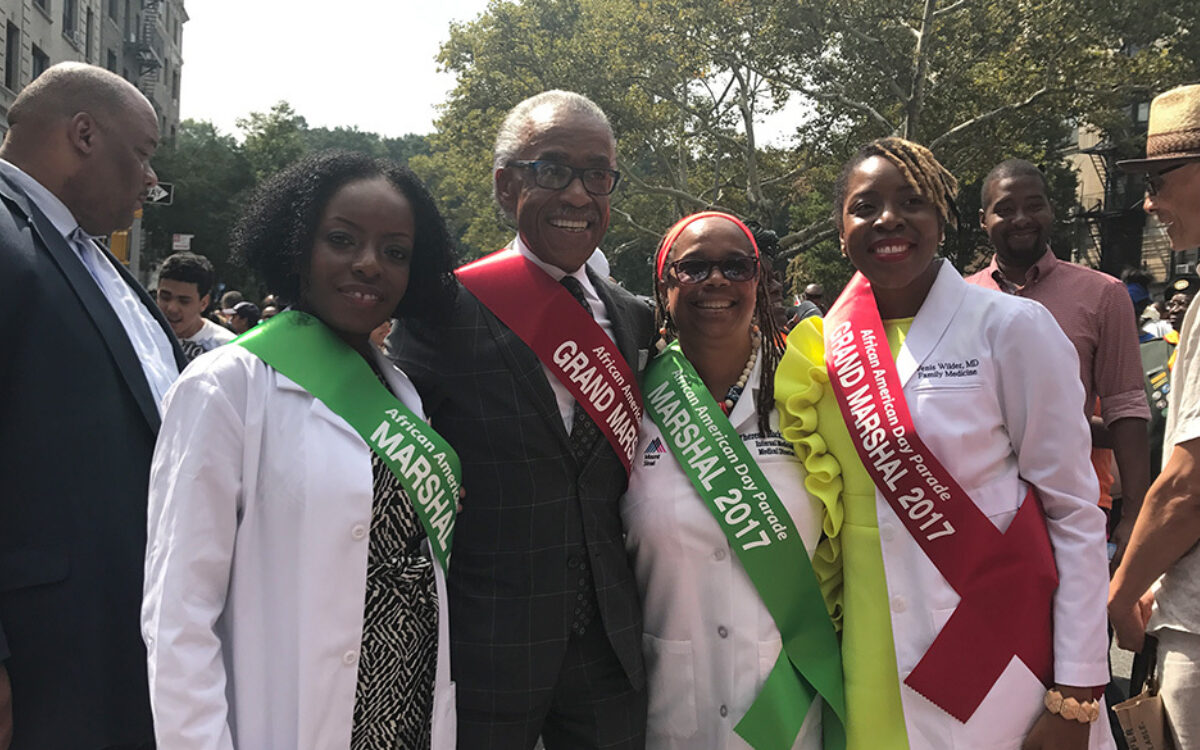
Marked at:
<point>1154,180</point>
<point>553,175</point>
<point>736,268</point>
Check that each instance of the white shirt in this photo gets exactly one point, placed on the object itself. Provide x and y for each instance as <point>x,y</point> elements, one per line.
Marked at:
<point>256,564</point>
<point>148,338</point>
<point>1177,602</point>
<point>209,337</point>
<point>566,402</point>
<point>709,640</point>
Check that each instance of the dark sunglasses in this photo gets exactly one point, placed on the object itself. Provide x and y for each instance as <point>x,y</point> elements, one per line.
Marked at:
<point>1154,180</point>
<point>737,268</point>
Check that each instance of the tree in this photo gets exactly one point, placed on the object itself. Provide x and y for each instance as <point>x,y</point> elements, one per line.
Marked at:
<point>687,84</point>
<point>274,139</point>
<point>211,176</point>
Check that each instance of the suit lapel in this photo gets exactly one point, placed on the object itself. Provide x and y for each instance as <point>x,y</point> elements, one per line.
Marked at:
<point>93,300</point>
<point>527,368</point>
<point>618,313</point>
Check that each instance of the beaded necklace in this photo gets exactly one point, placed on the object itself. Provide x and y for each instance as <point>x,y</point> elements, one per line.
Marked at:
<point>735,390</point>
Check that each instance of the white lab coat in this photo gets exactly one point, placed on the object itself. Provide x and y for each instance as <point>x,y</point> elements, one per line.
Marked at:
<point>259,524</point>
<point>709,641</point>
<point>1017,419</point>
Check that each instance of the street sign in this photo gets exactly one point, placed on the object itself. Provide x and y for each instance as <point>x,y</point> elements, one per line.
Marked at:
<point>181,241</point>
<point>161,194</point>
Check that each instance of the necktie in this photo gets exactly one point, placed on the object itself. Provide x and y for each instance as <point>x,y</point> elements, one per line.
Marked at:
<point>583,430</point>
<point>584,433</point>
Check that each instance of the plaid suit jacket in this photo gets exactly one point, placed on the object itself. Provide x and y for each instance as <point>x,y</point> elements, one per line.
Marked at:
<point>531,511</point>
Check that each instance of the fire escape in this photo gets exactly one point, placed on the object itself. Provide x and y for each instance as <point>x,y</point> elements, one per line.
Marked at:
<point>147,47</point>
<point>1113,224</point>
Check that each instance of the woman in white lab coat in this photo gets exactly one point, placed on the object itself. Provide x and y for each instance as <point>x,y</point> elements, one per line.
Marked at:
<point>709,640</point>
<point>290,599</point>
<point>989,381</point>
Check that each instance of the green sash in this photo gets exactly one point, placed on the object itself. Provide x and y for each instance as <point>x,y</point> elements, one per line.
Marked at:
<point>306,351</point>
<point>765,539</point>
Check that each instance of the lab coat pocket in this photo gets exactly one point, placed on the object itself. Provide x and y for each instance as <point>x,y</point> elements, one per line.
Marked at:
<point>998,501</point>
<point>671,676</point>
<point>998,723</point>
<point>768,655</point>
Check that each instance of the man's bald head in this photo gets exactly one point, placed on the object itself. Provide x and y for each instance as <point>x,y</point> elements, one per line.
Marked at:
<point>69,88</point>
<point>87,135</point>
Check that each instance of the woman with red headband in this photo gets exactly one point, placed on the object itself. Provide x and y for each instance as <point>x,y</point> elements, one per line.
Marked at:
<point>740,650</point>
<point>949,420</point>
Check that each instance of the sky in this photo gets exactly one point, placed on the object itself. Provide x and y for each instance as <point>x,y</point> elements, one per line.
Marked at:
<point>367,63</point>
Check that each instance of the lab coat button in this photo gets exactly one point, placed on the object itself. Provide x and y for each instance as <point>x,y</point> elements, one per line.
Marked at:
<point>724,711</point>
<point>887,532</point>
<point>723,631</point>
<point>358,533</point>
<point>349,658</point>
<point>898,604</point>
<point>719,554</point>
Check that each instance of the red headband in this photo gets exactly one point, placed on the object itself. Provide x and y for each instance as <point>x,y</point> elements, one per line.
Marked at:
<point>673,233</point>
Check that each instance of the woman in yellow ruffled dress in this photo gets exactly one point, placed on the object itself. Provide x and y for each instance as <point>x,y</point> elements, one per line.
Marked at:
<point>1003,427</point>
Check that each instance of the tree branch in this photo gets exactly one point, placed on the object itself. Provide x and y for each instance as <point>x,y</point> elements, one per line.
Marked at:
<point>841,98</point>
<point>629,218</point>
<point>806,244</point>
<point>916,100</point>
<point>950,8</point>
<point>986,116</point>
<point>668,191</point>
<point>797,242</point>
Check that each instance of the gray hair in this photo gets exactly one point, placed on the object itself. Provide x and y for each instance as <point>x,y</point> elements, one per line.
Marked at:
<point>515,128</point>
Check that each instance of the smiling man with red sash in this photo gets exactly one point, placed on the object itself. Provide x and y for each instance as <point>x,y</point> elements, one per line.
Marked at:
<point>534,383</point>
<point>960,453</point>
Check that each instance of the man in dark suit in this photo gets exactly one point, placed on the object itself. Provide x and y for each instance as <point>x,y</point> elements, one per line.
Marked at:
<point>86,358</point>
<point>545,623</point>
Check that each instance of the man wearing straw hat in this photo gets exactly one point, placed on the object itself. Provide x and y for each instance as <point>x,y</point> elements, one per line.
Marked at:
<point>1166,539</point>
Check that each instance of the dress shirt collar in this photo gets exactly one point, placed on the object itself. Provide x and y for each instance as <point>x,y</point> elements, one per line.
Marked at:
<point>1038,271</point>
<point>47,202</point>
<point>557,273</point>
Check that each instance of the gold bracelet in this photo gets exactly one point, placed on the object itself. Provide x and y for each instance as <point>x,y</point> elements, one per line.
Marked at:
<point>1071,709</point>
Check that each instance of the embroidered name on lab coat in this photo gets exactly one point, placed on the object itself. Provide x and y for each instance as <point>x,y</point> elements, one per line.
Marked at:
<point>950,371</point>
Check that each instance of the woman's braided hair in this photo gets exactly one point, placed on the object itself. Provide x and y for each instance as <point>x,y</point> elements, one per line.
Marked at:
<point>920,169</point>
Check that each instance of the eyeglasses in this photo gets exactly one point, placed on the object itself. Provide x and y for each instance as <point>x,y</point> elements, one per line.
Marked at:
<point>552,175</point>
<point>1154,180</point>
<point>737,268</point>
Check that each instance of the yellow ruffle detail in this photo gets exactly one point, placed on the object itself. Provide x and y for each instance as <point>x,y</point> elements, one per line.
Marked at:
<point>804,384</point>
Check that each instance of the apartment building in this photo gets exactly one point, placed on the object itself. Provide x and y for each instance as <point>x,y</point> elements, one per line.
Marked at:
<point>140,40</point>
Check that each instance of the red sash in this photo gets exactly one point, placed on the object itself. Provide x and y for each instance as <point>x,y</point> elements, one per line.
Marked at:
<point>1006,580</point>
<point>565,339</point>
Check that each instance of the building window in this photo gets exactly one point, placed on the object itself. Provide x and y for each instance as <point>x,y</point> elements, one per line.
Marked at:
<point>12,58</point>
<point>87,30</point>
<point>128,22</point>
<point>43,4</point>
<point>70,16</point>
<point>175,85</point>
<point>41,61</point>
<point>112,61</point>
<point>112,10</point>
